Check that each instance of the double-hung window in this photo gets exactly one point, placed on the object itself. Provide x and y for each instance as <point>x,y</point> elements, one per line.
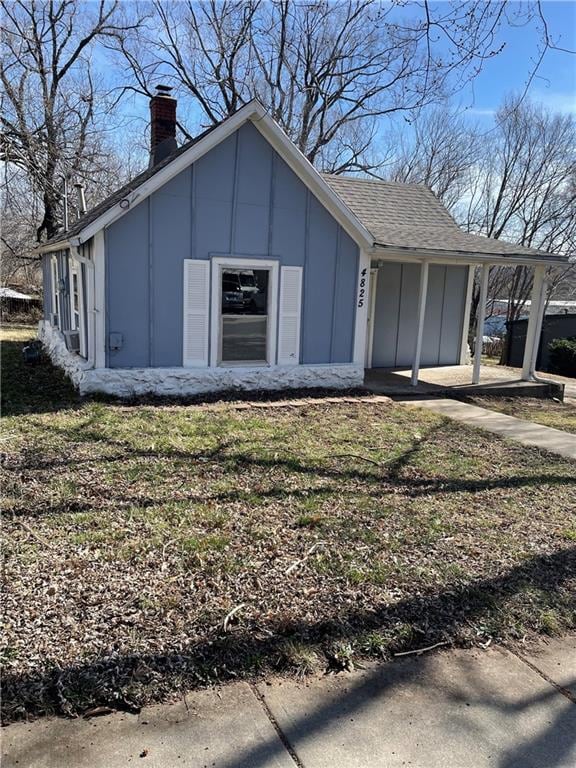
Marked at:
<point>244,311</point>
<point>55,289</point>
<point>75,297</point>
<point>77,305</point>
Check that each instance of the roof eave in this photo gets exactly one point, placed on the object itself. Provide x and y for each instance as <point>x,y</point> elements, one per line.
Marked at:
<point>59,245</point>
<point>404,253</point>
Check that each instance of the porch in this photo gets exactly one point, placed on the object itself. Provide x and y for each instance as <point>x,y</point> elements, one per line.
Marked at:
<point>457,380</point>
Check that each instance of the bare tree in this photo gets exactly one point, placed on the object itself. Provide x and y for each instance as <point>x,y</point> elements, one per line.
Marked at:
<point>516,181</point>
<point>524,191</point>
<point>52,103</point>
<point>441,151</point>
<point>327,71</point>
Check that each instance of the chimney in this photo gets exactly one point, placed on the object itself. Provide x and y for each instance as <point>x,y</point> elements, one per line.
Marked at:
<point>162,125</point>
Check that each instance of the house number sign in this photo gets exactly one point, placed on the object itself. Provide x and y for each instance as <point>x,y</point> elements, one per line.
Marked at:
<point>362,288</point>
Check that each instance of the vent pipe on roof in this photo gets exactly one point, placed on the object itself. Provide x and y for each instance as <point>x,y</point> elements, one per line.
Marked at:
<point>81,198</point>
<point>162,125</point>
<point>65,202</point>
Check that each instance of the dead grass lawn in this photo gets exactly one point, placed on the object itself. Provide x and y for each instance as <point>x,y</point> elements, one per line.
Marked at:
<point>333,531</point>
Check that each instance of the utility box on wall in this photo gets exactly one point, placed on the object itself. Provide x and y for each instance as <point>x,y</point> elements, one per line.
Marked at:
<point>115,341</point>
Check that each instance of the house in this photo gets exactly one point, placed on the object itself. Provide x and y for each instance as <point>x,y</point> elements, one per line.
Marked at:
<point>232,263</point>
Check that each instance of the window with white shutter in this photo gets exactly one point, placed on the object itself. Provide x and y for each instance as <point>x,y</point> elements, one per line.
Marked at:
<point>289,315</point>
<point>196,314</point>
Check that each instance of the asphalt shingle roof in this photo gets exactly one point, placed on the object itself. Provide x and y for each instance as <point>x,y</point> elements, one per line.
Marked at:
<point>410,216</point>
<point>396,214</point>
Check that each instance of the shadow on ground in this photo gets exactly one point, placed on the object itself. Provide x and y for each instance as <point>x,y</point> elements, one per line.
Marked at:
<point>120,681</point>
<point>32,387</point>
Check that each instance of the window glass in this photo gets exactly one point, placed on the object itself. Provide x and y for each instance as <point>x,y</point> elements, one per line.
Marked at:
<point>55,294</point>
<point>244,315</point>
<point>75,301</point>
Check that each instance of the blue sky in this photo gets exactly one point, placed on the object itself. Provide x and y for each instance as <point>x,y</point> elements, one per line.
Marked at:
<point>555,83</point>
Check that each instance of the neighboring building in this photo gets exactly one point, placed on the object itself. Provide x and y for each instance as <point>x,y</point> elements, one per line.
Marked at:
<point>232,263</point>
<point>553,307</point>
<point>553,327</point>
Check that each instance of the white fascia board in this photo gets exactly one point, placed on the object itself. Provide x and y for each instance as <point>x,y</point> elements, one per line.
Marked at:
<point>180,163</point>
<point>306,172</point>
<point>380,253</point>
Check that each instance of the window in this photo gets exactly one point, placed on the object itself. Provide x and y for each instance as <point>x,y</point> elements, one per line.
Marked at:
<point>244,316</point>
<point>244,312</point>
<point>75,299</point>
<point>55,289</point>
<point>77,305</point>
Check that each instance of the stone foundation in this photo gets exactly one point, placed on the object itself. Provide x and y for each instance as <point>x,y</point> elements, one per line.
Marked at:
<point>186,382</point>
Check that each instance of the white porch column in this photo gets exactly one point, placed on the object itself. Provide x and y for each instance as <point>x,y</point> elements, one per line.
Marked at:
<point>466,319</point>
<point>481,315</point>
<point>423,290</point>
<point>535,319</point>
<point>362,299</point>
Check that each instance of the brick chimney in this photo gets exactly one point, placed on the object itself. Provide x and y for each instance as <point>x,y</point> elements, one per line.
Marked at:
<point>162,124</point>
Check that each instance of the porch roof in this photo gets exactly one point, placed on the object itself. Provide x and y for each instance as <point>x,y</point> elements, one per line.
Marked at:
<point>408,220</point>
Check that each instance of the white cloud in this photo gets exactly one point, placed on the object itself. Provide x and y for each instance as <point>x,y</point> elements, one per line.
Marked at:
<point>481,112</point>
<point>565,103</point>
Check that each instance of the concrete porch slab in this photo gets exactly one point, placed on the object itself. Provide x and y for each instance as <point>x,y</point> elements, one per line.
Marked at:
<point>461,708</point>
<point>495,380</point>
<point>209,730</point>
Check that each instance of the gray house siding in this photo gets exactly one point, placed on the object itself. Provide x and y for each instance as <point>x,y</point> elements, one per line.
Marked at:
<point>241,199</point>
<point>395,315</point>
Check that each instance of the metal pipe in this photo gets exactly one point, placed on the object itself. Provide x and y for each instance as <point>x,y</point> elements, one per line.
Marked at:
<point>81,197</point>
<point>66,222</point>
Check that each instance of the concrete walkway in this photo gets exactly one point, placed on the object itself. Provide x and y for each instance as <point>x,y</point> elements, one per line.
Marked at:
<point>453,709</point>
<point>525,432</point>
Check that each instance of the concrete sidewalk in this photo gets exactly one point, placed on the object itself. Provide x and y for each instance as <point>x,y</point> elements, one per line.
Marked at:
<point>453,709</point>
<point>525,432</point>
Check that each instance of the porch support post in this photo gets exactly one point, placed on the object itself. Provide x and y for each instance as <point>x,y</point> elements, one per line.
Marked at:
<point>481,315</point>
<point>535,320</point>
<point>362,299</point>
<point>466,318</point>
<point>423,290</point>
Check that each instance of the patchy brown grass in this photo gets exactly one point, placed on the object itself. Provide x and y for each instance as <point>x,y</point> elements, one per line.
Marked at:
<point>132,531</point>
<point>539,410</point>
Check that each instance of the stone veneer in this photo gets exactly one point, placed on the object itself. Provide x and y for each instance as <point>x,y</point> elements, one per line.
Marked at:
<point>128,382</point>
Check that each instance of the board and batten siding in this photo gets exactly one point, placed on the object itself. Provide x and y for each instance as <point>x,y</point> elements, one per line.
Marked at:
<point>240,199</point>
<point>395,315</point>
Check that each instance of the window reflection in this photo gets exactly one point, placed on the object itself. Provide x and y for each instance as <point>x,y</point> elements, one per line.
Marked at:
<point>244,315</point>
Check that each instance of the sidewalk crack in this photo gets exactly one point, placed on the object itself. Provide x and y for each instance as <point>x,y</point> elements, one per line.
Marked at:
<point>287,746</point>
<point>564,691</point>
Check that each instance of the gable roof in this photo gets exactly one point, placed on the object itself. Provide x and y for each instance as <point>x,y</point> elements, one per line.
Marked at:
<point>147,182</point>
<point>410,216</point>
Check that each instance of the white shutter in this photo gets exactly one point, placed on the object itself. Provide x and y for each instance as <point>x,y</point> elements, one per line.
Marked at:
<point>196,317</point>
<point>290,309</point>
